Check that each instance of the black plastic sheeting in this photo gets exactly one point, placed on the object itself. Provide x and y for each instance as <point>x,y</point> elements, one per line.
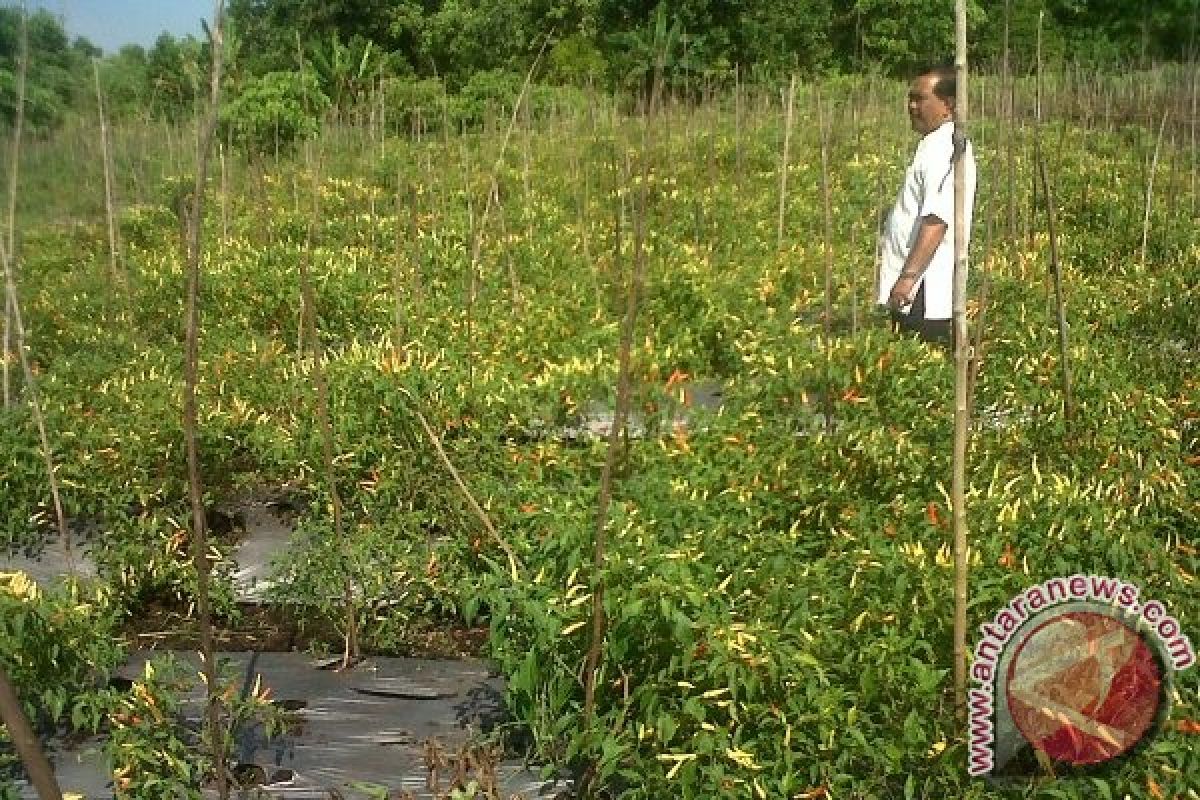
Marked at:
<point>372,725</point>
<point>51,559</point>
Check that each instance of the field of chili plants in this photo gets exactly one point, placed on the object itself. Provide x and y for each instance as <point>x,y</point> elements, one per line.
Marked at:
<point>778,579</point>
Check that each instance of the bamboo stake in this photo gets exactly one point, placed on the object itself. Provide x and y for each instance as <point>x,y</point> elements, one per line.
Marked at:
<point>737,126</point>
<point>221,153</point>
<point>13,168</point>
<point>110,203</point>
<point>26,742</point>
<point>853,280</point>
<point>472,503</point>
<point>977,345</point>
<point>1150,184</point>
<point>827,317</point>
<point>958,487</point>
<point>828,216</point>
<point>783,162</point>
<point>621,412</point>
<point>191,215</point>
<point>493,183</point>
<point>398,267</point>
<point>39,418</point>
<point>1195,73</point>
<point>350,654</point>
<point>1068,400</point>
<point>17,328</point>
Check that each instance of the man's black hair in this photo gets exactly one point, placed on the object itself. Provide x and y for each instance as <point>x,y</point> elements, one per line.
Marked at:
<point>946,84</point>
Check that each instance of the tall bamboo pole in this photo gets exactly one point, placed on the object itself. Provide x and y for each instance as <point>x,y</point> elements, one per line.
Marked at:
<point>192,218</point>
<point>110,202</point>
<point>636,286</point>
<point>350,654</point>
<point>1150,185</point>
<point>15,326</point>
<point>1055,267</point>
<point>960,359</point>
<point>1056,272</point>
<point>783,161</point>
<point>828,248</point>
<point>14,165</point>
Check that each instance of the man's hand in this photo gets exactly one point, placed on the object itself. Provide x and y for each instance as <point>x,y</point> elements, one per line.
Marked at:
<point>929,237</point>
<point>902,291</point>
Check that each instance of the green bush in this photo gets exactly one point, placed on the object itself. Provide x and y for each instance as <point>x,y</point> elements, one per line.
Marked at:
<point>576,61</point>
<point>411,100</point>
<point>275,110</point>
<point>58,649</point>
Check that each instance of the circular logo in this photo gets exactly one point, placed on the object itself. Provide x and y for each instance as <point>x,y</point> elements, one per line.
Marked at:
<point>1083,687</point>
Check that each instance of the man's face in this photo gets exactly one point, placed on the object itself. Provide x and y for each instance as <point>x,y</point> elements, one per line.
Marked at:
<point>926,110</point>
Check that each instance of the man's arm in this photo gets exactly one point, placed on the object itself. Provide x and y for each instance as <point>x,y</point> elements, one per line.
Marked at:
<point>929,237</point>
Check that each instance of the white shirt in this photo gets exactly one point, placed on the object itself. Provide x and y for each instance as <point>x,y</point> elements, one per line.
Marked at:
<point>928,189</point>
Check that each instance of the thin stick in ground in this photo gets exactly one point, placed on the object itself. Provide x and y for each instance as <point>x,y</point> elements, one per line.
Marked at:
<point>783,161</point>
<point>1150,185</point>
<point>13,168</point>
<point>350,654</point>
<point>1056,273</point>
<point>35,403</point>
<point>472,503</point>
<point>190,213</point>
<point>621,412</point>
<point>827,316</point>
<point>26,743</point>
<point>110,201</point>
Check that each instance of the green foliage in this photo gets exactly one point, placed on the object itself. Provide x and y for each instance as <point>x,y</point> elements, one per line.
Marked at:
<point>154,754</point>
<point>152,757</point>
<point>776,589</point>
<point>412,101</point>
<point>24,514</point>
<point>58,650</point>
<point>486,95</point>
<point>576,60</point>
<point>55,73</point>
<point>275,110</point>
<point>345,69</point>
<point>175,69</point>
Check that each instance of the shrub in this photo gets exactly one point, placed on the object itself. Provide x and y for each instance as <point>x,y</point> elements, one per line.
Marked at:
<point>275,110</point>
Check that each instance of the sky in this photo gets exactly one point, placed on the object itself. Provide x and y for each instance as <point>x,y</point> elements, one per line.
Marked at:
<point>112,23</point>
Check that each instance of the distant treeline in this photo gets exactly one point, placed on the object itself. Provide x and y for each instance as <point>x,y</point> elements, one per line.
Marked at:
<point>289,59</point>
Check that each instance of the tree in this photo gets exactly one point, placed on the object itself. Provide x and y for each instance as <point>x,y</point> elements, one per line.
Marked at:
<point>55,74</point>
<point>173,74</point>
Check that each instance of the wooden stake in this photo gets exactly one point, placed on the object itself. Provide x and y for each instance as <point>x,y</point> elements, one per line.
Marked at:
<point>621,412</point>
<point>350,654</point>
<point>190,213</point>
<point>1150,184</point>
<point>958,488</point>
<point>14,166</point>
<point>35,403</point>
<point>827,317</point>
<point>783,161</point>
<point>25,741</point>
<point>110,203</point>
<point>1056,272</point>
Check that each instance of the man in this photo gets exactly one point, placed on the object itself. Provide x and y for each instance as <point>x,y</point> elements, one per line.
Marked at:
<point>916,273</point>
